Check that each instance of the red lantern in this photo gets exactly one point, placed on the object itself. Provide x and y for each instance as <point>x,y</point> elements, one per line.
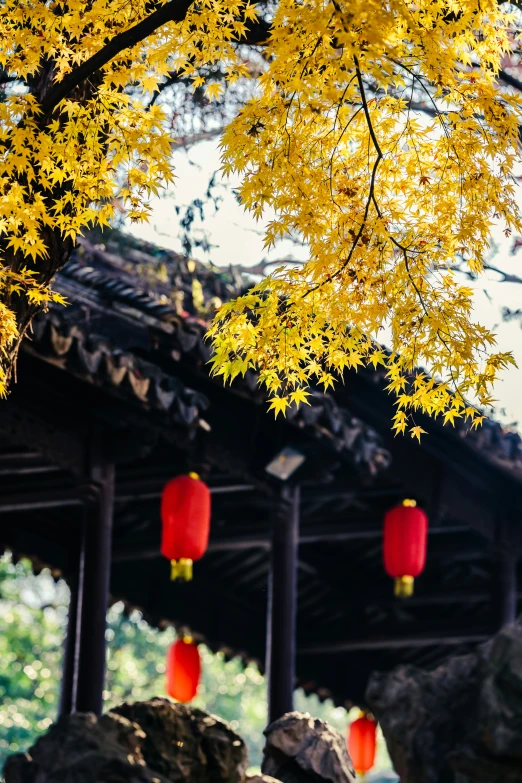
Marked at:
<point>185,516</point>
<point>183,670</point>
<point>362,743</point>
<point>405,542</point>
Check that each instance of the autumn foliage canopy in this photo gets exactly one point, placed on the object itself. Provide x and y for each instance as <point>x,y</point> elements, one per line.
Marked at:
<point>377,131</point>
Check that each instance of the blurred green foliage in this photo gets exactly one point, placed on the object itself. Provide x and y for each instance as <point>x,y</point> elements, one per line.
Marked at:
<point>33,615</point>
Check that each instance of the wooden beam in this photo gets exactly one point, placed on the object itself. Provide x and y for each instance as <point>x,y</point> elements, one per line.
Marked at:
<point>151,490</point>
<point>28,470</point>
<point>232,544</point>
<point>440,597</point>
<point>30,500</point>
<point>309,534</point>
<point>61,497</point>
<point>312,534</point>
<point>19,456</point>
<point>404,640</point>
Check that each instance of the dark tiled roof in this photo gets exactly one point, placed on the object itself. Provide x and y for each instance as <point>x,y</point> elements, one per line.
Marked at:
<point>95,359</point>
<point>501,445</point>
<point>155,288</point>
<point>497,444</point>
<point>119,313</point>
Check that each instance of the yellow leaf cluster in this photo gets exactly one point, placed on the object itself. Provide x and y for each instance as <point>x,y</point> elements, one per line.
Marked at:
<point>15,284</point>
<point>389,199</point>
<point>65,167</point>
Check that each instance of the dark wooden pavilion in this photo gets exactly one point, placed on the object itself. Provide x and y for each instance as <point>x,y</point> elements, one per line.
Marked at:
<point>113,398</point>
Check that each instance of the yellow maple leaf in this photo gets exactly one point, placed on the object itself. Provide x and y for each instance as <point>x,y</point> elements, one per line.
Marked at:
<point>279,405</point>
<point>299,395</point>
<point>213,90</point>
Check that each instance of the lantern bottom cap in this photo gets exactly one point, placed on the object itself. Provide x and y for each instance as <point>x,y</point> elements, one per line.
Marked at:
<point>404,586</point>
<point>181,570</point>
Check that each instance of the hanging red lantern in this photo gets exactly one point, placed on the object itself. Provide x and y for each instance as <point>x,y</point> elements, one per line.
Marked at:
<point>405,542</point>
<point>362,741</point>
<point>183,670</point>
<point>185,516</point>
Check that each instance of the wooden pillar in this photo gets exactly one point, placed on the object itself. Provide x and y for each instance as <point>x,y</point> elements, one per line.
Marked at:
<point>70,658</point>
<point>282,607</point>
<point>505,588</point>
<point>93,585</point>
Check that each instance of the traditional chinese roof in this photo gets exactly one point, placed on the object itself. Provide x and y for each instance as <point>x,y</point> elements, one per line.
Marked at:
<point>110,289</point>
<point>128,356</point>
<point>113,267</point>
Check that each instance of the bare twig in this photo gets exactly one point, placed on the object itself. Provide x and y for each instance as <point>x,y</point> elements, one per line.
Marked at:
<point>261,267</point>
<point>195,138</point>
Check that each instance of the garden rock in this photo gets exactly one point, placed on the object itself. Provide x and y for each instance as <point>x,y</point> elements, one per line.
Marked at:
<point>462,722</point>
<point>302,749</point>
<point>148,742</point>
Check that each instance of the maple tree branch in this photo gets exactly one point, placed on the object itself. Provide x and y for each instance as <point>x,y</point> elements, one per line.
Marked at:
<point>173,78</point>
<point>174,11</point>
<point>371,194</point>
<point>371,197</point>
<point>506,276</point>
<point>366,110</point>
<point>176,77</point>
<point>261,267</point>
<point>195,138</point>
<point>257,33</point>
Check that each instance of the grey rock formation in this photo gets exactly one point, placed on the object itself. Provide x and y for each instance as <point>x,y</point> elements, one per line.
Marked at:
<point>148,742</point>
<point>158,741</point>
<point>462,722</point>
<point>302,749</point>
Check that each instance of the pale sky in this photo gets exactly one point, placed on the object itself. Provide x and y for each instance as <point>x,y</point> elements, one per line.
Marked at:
<point>238,239</point>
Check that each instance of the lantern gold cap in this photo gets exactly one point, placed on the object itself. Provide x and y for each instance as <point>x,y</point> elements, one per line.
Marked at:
<point>409,503</point>
<point>193,475</point>
<point>181,570</point>
<point>404,587</point>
